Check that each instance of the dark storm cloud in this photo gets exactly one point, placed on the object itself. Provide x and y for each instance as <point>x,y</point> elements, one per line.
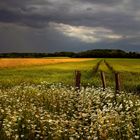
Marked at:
<point>37,12</point>
<point>122,17</point>
<point>7,16</point>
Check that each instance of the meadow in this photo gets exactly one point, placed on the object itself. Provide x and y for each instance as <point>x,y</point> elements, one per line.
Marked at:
<point>16,71</point>
<point>58,112</point>
<point>38,100</point>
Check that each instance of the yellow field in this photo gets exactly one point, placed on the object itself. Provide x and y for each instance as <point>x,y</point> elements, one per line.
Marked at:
<point>15,62</point>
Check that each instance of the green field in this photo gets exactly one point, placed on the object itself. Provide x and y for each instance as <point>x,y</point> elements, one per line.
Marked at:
<point>64,72</point>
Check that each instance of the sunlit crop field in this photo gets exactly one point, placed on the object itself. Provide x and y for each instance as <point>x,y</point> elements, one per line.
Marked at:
<point>17,62</point>
<point>56,112</point>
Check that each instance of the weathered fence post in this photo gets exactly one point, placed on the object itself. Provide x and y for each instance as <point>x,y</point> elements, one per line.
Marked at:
<point>103,80</point>
<point>117,81</point>
<point>77,79</point>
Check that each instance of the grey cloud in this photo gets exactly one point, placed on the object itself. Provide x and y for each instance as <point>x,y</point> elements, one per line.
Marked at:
<point>38,13</point>
<point>106,2</point>
<point>121,16</point>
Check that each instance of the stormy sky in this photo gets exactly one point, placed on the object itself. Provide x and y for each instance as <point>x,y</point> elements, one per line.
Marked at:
<point>69,25</point>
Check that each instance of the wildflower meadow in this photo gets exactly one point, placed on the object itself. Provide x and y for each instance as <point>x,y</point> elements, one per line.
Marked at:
<point>59,112</point>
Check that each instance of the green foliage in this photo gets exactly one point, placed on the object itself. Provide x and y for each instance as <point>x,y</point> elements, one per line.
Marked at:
<point>98,53</point>
<point>106,53</point>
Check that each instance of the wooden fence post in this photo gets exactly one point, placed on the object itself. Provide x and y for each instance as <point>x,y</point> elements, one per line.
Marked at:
<point>103,80</point>
<point>117,81</point>
<point>77,79</point>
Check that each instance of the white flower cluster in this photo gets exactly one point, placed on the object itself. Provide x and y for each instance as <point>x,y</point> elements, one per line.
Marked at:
<point>56,112</point>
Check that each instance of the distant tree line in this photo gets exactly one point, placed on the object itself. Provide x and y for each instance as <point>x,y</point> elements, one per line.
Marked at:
<point>98,53</point>
<point>37,55</point>
<point>106,53</point>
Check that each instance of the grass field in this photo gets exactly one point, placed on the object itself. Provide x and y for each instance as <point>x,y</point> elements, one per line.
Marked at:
<point>129,70</point>
<point>16,71</point>
<point>38,100</point>
<point>56,72</point>
<point>125,65</point>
